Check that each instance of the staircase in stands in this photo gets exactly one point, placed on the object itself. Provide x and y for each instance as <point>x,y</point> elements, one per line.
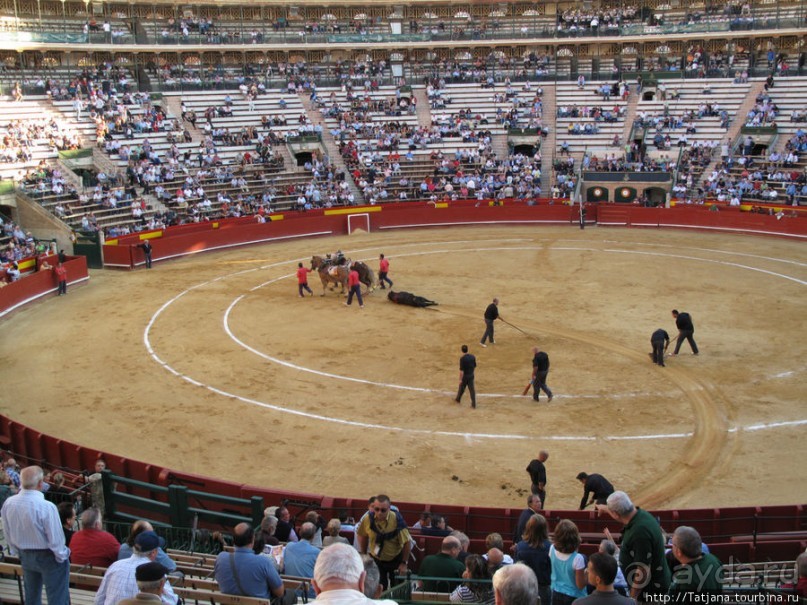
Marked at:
<point>174,106</point>
<point>500,146</point>
<point>630,115</point>
<point>737,122</point>
<point>549,142</point>
<point>331,146</point>
<point>424,111</point>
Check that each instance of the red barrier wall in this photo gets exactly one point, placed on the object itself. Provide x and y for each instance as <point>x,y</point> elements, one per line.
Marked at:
<point>700,217</point>
<point>39,284</point>
<point>190,239</point>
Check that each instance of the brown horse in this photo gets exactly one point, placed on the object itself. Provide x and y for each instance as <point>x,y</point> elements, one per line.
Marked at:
<point>330,273</point>
<point>366,275</point>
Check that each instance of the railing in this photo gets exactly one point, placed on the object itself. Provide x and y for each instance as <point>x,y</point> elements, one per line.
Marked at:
<point>304,138</point>
<point>242,33</point>
<point>174,504</point>
<point>760,130</point>
<point>677,170</point>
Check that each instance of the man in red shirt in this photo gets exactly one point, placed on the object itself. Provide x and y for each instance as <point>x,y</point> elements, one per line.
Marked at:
<point>302,280</point>
<point>60,271</point>
<point>383,269</point>
<point>91,545</point>
<point>354,286</point>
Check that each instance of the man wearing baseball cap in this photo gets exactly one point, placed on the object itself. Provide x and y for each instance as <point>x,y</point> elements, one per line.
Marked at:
<point>120,580</point>
<point>151,578</point>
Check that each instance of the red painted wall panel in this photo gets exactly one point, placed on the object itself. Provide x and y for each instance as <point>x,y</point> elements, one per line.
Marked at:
<point>33,286</point>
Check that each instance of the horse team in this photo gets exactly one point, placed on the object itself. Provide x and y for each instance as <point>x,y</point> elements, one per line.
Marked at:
<point>333,270</point>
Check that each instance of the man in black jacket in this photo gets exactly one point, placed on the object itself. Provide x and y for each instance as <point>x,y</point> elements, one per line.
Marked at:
<point>467,367</point>
<point>659,340</point>
<point>683,321</point>
<point>598,486</point>
<point>491,315</point>
<point>540,370</point>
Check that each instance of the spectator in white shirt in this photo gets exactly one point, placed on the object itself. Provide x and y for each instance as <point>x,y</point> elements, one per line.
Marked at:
<point>119,580</point>
<point>34,533</point>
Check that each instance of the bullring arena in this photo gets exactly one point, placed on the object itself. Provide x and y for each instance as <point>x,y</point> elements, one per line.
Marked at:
<point>593,165</point>
<point>211,364</point>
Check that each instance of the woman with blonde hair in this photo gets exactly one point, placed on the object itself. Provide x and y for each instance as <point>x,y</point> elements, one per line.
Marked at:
<point>333,528</point>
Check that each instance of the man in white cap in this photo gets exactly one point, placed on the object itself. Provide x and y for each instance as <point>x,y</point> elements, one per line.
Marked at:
<point>120,580</point>
<point>151,578</point>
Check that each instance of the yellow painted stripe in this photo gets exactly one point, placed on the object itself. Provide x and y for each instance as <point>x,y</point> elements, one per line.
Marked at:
<point>352,210</point>
<point>111,242</point>
<point>214,225</point>
<point>152,235</point>
<point>275,217</point>
<point>441,205</point>
<point>494,203</point>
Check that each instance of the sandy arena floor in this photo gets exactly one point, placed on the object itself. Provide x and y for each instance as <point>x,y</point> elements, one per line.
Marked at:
<point>212,364</point>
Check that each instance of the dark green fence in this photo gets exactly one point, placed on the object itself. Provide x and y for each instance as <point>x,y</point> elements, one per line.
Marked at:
<point>128,500</point>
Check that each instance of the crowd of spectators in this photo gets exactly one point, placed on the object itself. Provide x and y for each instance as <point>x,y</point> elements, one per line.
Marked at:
<point>763,113</point>
<point>21,137</point>
<point>776,177</point>
<point>587,22</point>
<point>337,553</point>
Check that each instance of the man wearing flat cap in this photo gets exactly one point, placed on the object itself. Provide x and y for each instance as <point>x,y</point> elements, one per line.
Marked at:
<point>151,577</point>
<point>121,581</point>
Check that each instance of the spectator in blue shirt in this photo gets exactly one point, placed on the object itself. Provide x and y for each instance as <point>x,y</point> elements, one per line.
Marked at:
<point>300,557</point>
<point>244,573</point>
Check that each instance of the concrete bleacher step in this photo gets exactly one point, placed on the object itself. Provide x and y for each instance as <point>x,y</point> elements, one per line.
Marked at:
<point>548,145</point>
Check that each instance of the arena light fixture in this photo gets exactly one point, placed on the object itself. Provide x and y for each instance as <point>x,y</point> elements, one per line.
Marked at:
<point>462,15</point>
<point>531,12</point>
<point>360,17</point>
<point>329,17</point>
<point>430,15</point>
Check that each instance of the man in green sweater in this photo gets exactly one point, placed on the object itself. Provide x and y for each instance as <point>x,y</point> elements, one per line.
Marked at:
<point>443,565</point>
<point>641,554</point>
<point>699,572</point>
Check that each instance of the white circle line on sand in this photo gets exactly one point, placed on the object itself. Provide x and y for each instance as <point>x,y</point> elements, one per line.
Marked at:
<point>466,435</point>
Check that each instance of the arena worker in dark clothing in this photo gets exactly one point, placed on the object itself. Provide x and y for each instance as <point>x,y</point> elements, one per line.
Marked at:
<point>686,330</point>
<point>537,471</point>
<point>540,370</point>
<point>491,315</point>
<point>595,485</point>
<point>467,368</point>
<point>659,340</point>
